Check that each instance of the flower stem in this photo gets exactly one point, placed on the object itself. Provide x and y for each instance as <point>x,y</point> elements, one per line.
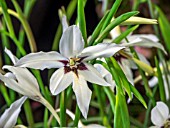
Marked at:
<point>63,109</point>
<point>77,116</point>
<point>50,108</point>
<point>28,113</point>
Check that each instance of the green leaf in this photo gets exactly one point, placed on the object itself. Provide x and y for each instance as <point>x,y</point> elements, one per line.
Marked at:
<point>138,95</point>
<point>124,34</point>
<point>97,30</point>
<point>7,17</point>
<point>160,82</point>
<point>114,23</point>
<point>112,12</point>
<point>26,27</point>
<point>123,110</point>
<point>124,81</point>
<point>81,20</point>
<point>164,27</point>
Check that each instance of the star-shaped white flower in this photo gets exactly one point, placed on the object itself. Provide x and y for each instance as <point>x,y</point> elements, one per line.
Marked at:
<point>160,115</point>
<point>72,64</point>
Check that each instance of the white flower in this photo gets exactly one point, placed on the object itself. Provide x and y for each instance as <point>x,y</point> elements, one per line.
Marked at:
<point>72,64</point>
<point>143,40</point>
<point>22,81</point>
<point>9,118</point>
<point>160,115</point>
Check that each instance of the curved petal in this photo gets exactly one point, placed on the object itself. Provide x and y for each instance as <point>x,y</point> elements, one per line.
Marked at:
<point>100,50</point>
<point>92,75</point>
<point>159,114</point>
<point>127,71</point>
<point>60,81</point>
<point>26,82</point>
<point>64,22</point>
<point>71,42</point>
<point>41,60</point>
<point>144,42</point>
<point>147,36</point>
<point>83,94</point>
<point>105,74</point>
<point>9,117</point>
<point>13,58</point>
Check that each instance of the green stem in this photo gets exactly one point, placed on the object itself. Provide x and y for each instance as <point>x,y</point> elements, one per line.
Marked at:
<point>28,113</point>
<point>99,99</point>
<point>150,104</point>
<point>77,116</point>
<point>63,109</point>
<point>26,27</point>
<point>50,108</point>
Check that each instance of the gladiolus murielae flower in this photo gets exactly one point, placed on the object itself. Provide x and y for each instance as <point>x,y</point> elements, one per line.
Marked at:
<point>22,81</point>
<point>160,115</point>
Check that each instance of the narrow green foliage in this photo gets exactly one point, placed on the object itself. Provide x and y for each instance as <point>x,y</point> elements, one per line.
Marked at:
<point>124,81</point>
<point>111,14</point>
<point>46,118</point>
<point>111,96</point>
<point>26,27</point>
<point>63,109</point>
<point>97,30</point>
<point>81,20</point>
<point>28,113</point>
<point>121,119</point>
<point>138,95</point>
<point>124,34</point>
<point>160,81</point>
<point>77,116</point>
<point>164,27</point>
<point>114,23</point>
<point>7,17</point>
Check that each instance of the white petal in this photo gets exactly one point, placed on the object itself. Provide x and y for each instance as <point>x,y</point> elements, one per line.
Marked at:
<point>159,114</point>
<point>144,42</point>
<point>60,81</point>
<point>166,86</point>
<point>71,42</point>
<point>26,82</point>
<point>105,74</point>
<point>127,71</point>
<point>10,75</point>
<point>64,22</point>
<point>94,126</point>
<point>13,58</point>
<point>11,83</point>
<point>153,81</point>
<point>100,50</point>
<point>41,60</point>
<point>115,32</point>
<point>9,117</point>
<point>83,94</point>
<point>147,36</point>
<point>92,75</point>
